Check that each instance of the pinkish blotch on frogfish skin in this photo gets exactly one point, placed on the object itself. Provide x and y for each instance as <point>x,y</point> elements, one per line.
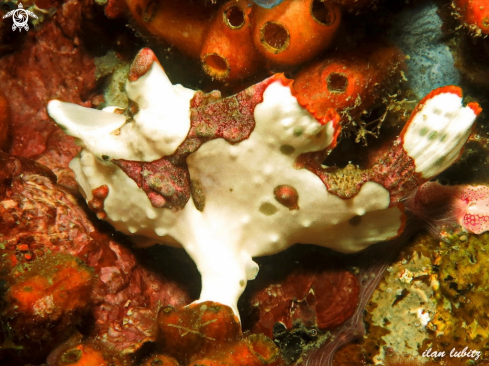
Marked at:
<point>233,178</point>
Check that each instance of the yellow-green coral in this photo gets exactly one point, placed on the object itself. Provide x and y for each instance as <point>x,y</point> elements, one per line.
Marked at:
<point>461,319</point>
<point>451,282</point>
<point>403,303</point>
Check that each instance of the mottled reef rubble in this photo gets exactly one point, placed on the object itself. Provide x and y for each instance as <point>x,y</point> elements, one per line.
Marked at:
<point>74,291</point>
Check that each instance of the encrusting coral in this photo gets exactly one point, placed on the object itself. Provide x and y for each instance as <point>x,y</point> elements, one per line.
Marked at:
<point>46,299</point>
<point>321,296</point>
<point>432,297</point>
<point>238,159</point>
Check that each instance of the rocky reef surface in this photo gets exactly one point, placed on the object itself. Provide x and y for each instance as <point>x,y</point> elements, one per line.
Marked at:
<point>74,291</point>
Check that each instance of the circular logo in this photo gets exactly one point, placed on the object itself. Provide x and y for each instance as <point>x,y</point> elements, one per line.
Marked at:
<point>20,17</point>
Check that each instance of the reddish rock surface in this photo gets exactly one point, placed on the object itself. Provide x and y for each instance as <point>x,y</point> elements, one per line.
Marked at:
<point>39,219</point>
<point>53,285</point>
<point>4,122</point>
<point>322,297</point>
<point>115,9</point>
<point>52,63</point>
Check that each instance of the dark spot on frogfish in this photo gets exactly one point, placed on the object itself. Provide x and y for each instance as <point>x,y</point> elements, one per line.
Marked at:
<point>355,220</point>
<point>268,209</point>
<point>287,149</point>
<point>197,192</point>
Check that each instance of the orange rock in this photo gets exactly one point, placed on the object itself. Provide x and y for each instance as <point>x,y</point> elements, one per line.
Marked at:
<point>183,24</point>
<point>235,354</point>
<point>46,300</point>
<point>82,355</point>
<point>77,351</point>
<point>209,334</point>
<point>255,350</point>
<point>228,52</point>
<point>208,362</point>
<point>475,14</point>
<point>160,360</point>
<point>296,30</point>
<point>350,82</point>
<point>196,327</point>
<point>54,286</point>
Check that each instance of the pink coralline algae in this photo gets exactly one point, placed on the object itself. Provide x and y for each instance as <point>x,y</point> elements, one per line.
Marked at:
<point>465,206</point>
<point>40,222</point>
<point>476,212</point>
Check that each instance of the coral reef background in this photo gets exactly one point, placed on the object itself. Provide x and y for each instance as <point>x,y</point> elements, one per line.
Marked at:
<point>74,291</point>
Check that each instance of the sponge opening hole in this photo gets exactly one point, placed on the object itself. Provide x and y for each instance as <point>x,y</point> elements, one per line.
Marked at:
<point>216,66</point>
<point>337,83</point>
<point>275,36</point>
<point>234,17</point>
<point>323,12</point>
